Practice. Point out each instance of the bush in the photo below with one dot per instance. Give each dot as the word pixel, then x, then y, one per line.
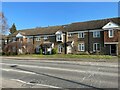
pixel 13 53
pixel 40 51
pixel 98 53
pixel 83 53
pixel 54 51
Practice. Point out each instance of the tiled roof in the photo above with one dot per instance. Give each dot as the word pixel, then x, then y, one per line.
pixel 91 25
pixel 3 37
pixel 88 25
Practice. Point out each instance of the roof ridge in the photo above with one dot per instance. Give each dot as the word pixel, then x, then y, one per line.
pixel 96 20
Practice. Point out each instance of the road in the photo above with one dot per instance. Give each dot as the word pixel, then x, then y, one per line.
pixel 59 74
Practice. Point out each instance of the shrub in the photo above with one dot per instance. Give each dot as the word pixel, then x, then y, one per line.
pixel 40 51
pixel 13 53
pixel 54 51
pixel 83 53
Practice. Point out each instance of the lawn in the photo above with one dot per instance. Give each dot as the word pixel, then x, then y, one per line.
pixel 70 56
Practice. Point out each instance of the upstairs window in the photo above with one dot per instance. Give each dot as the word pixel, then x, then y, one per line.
pixel 111 33
pixel 70 35
pixel 96 34
pixel 37 38
pixel 45 37
pixel 81 35
pixel 59 36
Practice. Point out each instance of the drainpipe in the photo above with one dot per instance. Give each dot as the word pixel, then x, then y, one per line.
pixel 88 41
pixel 65 42
pixel 7 40
pixel 33 44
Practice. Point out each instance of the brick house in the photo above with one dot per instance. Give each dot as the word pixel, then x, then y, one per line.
pixel 101 36
pixel 3 42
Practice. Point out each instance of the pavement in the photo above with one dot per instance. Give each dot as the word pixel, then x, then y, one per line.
pixel 25 73
pixel 115 59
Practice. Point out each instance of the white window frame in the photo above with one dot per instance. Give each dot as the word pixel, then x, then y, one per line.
pixel 81 35
pixel 59 37
pixel 28 39
pixel 5 41
pixel 13 39
pixel 60 48
pixel 81 47
pixel 38 38
pixel 96 47
pixel 96 34
pixel 69 34
pixel 109 33
pixel 45 37
pixel 14 49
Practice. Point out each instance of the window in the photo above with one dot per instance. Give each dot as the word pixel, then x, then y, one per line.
pixel 81 35
pixel 96 34
pixel 37 49
pixel 59 37
pixel 111 33
pixel 14 49
pixel 81 47
pixel 28 39
pixel 45 38
pixel 14 39
pixel 38 39
pixel 60 49
pixel 70 35
pixel 5 41
pixel 96 47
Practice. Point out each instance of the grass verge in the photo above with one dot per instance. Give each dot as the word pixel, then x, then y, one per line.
pixel 70 56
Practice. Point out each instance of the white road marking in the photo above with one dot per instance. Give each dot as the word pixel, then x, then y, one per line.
pixel 107 64
pixel 8 70
pixel 50 86
pixel 70 70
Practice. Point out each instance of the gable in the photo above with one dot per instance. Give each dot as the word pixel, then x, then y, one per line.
pixel 58 32
pixel 110 25
pixel 19 35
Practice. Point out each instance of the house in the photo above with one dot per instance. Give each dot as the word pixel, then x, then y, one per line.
pixel 3 42
pixel 96 36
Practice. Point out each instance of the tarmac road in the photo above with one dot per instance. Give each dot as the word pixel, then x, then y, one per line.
pixel 58 74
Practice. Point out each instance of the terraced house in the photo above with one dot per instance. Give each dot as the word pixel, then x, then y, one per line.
pixel 101 36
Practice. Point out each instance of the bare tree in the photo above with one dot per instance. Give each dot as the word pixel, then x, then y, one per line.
pixel 3 23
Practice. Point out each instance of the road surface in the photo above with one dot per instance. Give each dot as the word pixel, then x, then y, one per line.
pixel 58 74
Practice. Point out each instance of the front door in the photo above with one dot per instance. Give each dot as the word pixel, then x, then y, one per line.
pixel 44 51
pixel 113 49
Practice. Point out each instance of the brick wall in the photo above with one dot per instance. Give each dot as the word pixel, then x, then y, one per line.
pixel 114 39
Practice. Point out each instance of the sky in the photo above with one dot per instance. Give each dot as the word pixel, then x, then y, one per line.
pixel 42 14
